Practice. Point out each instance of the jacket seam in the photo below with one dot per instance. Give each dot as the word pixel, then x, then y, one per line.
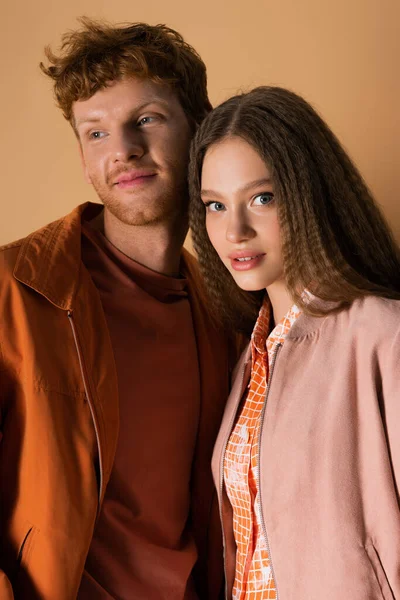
pixel 46 292
pixel 36 385
pixel 11 245
pixel 47 250
pixel 303 336
pixel 71 394
pixel 50 246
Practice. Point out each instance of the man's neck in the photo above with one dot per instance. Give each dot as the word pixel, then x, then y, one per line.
pixel 156 246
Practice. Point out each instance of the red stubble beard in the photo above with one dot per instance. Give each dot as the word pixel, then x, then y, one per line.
pixel 160 200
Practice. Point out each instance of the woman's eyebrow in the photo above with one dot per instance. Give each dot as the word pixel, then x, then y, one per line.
pixel 248 186
pixel 256 183
pixel 210 193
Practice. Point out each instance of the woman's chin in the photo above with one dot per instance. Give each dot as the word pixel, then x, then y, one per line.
pixel 249 284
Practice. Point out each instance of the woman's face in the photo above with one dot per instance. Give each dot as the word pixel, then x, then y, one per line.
pixel 241 215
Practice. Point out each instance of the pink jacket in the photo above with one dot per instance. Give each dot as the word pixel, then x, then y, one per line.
pixel 329 456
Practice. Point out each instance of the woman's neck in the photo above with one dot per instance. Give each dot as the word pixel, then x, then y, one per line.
pixel 280 299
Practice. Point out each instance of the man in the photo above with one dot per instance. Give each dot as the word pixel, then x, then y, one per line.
pixel 112 376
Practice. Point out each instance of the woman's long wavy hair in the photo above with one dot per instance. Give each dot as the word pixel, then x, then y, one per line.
pixel 336 243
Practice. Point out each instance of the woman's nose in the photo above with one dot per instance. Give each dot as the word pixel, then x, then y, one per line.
pixel 239 229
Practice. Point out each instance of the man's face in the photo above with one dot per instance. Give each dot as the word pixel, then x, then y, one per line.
pixel 134 138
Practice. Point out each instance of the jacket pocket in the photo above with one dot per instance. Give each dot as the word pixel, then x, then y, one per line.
pixel 379 571
pixel 24 551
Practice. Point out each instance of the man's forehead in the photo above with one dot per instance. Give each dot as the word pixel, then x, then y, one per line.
pixel 126 95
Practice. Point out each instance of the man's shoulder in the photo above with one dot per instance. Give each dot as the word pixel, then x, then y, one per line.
pixel 8 257
pixel 46 245
pixel 9 253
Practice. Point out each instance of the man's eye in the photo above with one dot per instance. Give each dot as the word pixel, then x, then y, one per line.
pixel 96 135
pixel 263 199
pixel 214 206
pixel 145 121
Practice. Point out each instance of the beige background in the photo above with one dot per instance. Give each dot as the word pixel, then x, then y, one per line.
pixel 342 55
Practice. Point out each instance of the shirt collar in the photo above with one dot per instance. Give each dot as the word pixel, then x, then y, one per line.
pixel 262 338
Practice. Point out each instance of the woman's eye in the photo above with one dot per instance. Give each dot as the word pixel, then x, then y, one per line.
pixel 214 206
pixel 263 199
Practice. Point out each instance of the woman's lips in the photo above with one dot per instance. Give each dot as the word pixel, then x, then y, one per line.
pixel 246 262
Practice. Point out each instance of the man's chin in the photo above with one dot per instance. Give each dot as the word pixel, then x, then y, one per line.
pixel 130 213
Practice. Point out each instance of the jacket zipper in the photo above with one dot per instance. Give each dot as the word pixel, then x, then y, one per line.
pixel 90 403
pixel 258 471
pixel 222 482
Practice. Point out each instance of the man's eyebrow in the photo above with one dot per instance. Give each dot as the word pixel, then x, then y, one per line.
pixel 93 119
pixel 245 188
pixel 97 115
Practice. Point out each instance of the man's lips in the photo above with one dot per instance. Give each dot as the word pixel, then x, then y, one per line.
pixel 244 260
pixel 132 178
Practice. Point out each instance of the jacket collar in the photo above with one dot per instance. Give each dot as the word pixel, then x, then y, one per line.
pixel 308 325
pixel 49 260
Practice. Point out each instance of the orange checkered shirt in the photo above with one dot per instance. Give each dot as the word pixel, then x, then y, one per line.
pixel 254 577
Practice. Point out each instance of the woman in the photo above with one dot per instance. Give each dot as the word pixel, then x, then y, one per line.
pixel 307 462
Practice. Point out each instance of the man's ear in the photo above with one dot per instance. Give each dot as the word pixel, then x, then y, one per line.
pixel 83 162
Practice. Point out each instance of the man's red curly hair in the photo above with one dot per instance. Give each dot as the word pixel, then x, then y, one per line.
pixel 99 53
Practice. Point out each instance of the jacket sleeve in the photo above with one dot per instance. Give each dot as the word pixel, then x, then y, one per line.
pixel 6 592
pixel 391 405
pixel 390 411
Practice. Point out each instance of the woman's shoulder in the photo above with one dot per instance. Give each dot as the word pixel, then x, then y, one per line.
pixel 366 316
pixel 376 311
pixel 368 320
pixel 371 323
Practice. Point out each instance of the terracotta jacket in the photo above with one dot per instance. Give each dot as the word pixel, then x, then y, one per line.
pixel 59 417
pixel 329 456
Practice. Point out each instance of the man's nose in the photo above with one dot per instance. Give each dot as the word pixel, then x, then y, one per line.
pixel 127 145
